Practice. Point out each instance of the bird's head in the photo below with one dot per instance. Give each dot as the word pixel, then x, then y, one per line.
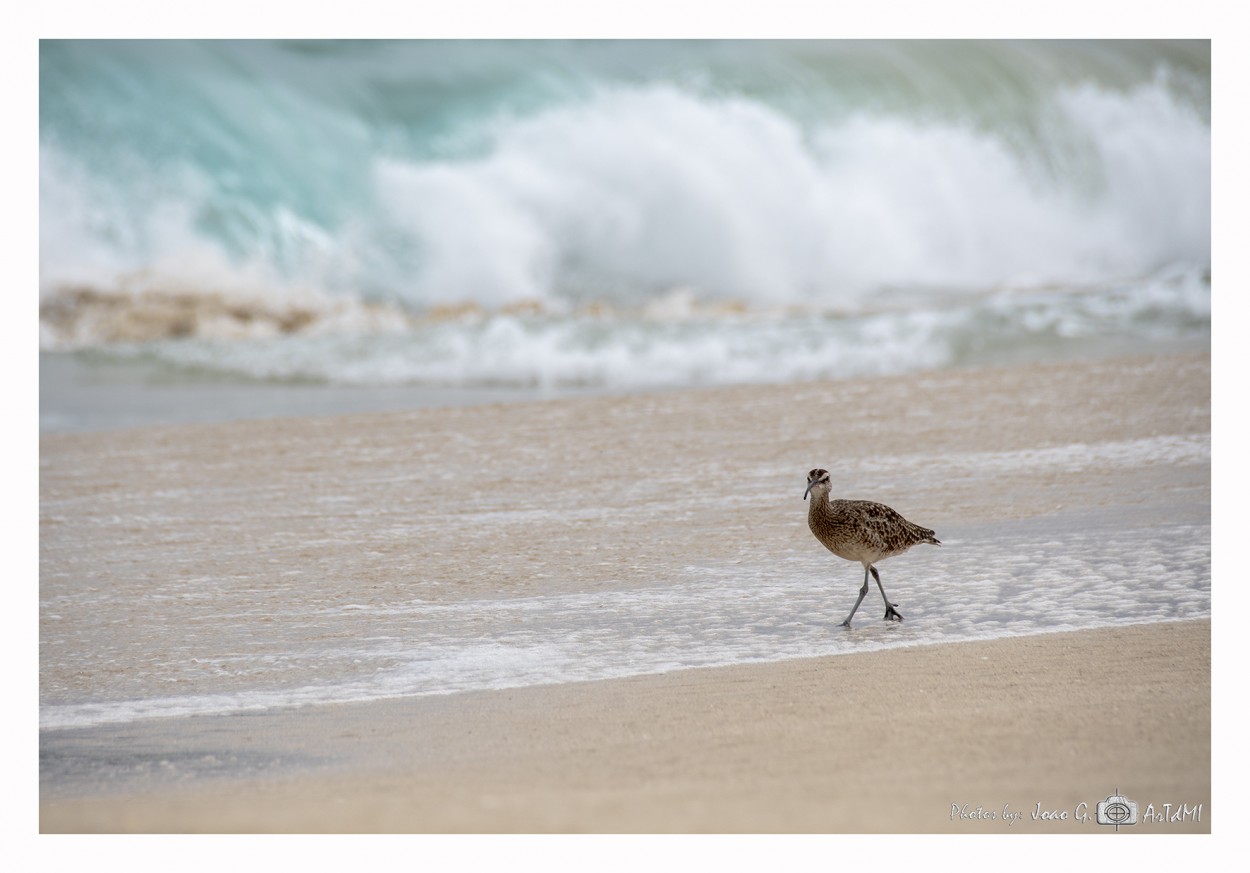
pixel 816 481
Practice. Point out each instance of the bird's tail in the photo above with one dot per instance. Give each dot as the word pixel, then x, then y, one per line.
pixel 924 535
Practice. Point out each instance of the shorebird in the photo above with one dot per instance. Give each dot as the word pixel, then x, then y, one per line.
pixel 860 530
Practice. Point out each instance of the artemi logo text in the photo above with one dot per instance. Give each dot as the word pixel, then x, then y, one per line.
pixel 1115 811
pixel 1172 813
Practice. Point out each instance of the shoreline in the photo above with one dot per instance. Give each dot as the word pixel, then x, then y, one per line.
pixel 108 395
pixel 798 746
pixel 462 548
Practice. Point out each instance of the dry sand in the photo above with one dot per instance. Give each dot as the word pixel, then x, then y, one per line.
pixel 161 543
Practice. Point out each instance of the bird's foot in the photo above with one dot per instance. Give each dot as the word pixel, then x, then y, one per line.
pixel 891 614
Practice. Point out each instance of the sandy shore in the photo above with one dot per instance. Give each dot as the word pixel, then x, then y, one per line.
pixel 931 739
pixel 217 559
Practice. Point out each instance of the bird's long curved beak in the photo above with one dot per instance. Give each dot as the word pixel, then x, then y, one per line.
pixel 808 489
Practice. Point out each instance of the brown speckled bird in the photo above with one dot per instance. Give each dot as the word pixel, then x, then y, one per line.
pixel 860 530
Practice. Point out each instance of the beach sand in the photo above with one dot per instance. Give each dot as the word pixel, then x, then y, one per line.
pixel 161 546
pixel 928 739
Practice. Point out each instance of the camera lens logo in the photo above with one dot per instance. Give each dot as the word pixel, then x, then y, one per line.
pixel 1116 810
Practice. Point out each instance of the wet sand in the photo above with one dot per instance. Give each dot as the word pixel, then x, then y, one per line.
pixel 161 544
pixel 85 393
pixel 956 738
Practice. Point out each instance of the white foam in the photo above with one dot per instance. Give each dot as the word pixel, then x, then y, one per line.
pixel 630 192
pixel 688 345
pixel 638 190
pixel 998 580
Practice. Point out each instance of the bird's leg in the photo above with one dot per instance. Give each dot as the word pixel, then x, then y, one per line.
pixel 890 613
pixel 862 592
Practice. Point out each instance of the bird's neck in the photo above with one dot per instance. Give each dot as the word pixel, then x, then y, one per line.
pixel 820 501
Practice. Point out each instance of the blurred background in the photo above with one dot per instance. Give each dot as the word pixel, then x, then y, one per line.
pixel 245 228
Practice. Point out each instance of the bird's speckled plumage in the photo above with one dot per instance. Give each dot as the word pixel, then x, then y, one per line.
pixel 861 530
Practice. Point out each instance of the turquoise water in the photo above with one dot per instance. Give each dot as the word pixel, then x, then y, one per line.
pixel 619 214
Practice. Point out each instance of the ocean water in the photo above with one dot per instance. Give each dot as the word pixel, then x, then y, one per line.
pixel 618 215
